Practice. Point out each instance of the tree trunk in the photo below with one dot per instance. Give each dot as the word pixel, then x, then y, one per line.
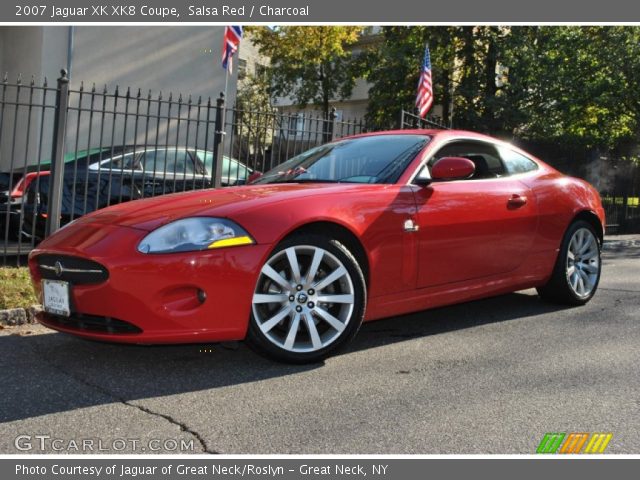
pixel 490 88
pixel 446 97
pixel 327 132
pixel 465 116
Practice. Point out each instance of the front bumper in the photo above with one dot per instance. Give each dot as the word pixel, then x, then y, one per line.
pixel 156 294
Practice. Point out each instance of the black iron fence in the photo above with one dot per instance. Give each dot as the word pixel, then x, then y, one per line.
pixel 66 151
pixel 27 117
pixel 410 120
pixel 619 185
pixel 265 139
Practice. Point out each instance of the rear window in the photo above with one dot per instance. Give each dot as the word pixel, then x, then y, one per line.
pixel 515 162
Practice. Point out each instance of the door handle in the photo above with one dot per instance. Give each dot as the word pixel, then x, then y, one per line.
pixel 516 201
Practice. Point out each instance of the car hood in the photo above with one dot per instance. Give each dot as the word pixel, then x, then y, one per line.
pixel 151 213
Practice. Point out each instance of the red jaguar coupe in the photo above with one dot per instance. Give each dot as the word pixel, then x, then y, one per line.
pixel 359 229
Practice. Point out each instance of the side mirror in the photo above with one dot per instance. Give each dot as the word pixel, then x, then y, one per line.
pixel 254 176
pixel 452 168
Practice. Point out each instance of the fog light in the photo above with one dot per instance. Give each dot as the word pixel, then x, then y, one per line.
pixel 202 296
pixel 181 298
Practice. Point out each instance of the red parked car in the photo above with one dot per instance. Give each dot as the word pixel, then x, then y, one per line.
pixel 359 229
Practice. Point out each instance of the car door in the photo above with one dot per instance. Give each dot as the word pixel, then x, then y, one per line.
pixel 473 228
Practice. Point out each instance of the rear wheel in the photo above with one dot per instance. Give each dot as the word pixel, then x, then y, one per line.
pixel 576 274
pixel 309 300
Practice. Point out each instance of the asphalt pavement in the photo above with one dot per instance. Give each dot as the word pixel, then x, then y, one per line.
pixel 491 376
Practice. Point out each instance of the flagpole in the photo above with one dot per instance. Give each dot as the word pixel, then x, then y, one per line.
pixel 230 45
pixel 224 105
pixel 226 81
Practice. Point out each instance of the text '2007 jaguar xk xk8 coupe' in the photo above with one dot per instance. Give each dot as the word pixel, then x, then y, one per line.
pixel 359 229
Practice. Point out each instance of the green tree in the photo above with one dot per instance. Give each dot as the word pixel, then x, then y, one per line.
pixel 253 94
pixel 393 70
pixel 574 84
pixel 312 65
pixel 570 85
pixel 477 98
pixel 253 128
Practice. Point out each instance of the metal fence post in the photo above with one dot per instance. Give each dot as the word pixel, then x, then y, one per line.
pixel 331 124
pixel 218 141
pixel 54 206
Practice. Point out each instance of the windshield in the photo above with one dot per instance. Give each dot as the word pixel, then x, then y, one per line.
pixel 374 159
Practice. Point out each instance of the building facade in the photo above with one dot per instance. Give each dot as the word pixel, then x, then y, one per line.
pixel 183 60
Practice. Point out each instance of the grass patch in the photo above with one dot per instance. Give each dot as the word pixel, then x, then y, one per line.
pixel 15 288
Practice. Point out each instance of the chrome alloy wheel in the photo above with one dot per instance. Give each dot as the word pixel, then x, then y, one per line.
pixel 583 262
pixel 304 299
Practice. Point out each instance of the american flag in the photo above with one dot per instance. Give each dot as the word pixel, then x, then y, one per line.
pixel 232 37
pixel 425 87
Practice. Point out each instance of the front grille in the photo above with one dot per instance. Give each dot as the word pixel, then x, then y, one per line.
pixel 92 323
pixel 75 270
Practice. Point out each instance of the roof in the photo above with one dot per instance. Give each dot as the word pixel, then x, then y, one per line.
pixel 430 132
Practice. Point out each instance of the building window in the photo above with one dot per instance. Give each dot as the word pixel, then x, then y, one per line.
pixel 296 125
pixel 242 68
pixel 261 72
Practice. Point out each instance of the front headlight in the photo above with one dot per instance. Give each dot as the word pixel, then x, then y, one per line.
pixel 192 234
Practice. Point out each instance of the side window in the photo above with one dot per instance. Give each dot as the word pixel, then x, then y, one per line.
pixel 235 168
pixel 123 162
pixel 514 162
pixel 154 161
pixel 198 162
pixel 171 161
pixel 484 156
pixel 180 162
pixel 296 125
pixel 5 179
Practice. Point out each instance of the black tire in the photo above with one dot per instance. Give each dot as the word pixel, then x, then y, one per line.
pixel 559 289
pixel 352 283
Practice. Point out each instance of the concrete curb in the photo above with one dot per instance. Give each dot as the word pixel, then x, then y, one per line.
pixel 19 316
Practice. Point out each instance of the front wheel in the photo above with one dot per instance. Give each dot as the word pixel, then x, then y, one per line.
pixel 576 274
pixel 309 300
